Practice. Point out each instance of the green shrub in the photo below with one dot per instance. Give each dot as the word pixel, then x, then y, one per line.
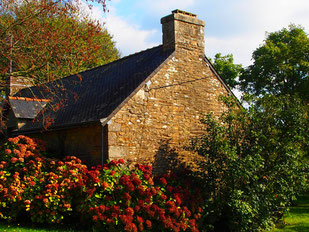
pixel 254 162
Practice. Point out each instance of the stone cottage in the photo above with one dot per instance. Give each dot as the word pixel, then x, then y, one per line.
pixel 136 108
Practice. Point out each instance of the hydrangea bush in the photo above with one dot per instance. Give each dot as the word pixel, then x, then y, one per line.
pixel 37 189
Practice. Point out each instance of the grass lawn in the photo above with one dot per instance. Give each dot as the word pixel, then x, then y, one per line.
pixel 297 219
pixel 18 228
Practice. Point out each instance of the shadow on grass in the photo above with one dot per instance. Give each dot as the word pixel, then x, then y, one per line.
pixel 297 220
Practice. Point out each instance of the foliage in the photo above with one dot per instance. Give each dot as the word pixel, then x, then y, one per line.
pixel 50 39
pixel 42 190
pixel 254 162
pixel 281 64
pixel 226 68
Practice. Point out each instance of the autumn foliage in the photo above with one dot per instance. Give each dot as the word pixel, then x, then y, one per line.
pixel 42 190
pixel 44 40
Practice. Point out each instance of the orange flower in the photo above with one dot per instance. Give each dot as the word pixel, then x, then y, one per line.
pixel 14 160
pixel 27 202
pixel 148 224
pixel 105 185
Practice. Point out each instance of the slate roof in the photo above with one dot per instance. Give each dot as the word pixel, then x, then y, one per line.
pixel 96 93
pixel 26 108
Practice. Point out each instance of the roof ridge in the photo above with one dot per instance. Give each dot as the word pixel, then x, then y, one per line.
pixel 28 99
pixel 92 69
pixel 107 64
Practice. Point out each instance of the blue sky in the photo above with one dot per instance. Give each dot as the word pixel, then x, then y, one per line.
pixel 232 26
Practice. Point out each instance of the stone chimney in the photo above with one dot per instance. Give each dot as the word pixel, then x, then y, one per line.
pixel 18 83
pixel 183 31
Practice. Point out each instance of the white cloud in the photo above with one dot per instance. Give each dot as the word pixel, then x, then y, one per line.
pixel 272 15
pixel 255 17
pixel 129 37
pixel 165 6
pixel 240 46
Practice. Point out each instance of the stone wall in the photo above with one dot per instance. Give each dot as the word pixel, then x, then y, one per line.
pixel 155 125
pixel 18 83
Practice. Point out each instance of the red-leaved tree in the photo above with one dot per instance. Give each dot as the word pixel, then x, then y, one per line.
pixel 43 40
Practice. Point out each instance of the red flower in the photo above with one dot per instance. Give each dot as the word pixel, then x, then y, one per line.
pixel 105 185
pixel 146 176
pixel 130 227
pixel 139 219
pixel 95 218
pixel 113 163
pixel 140 189
pixel 178 200
pixel 140 202
pixel 67 206
pixel 121 161
pixel 137 181
pixel 102 208
pixel 150 181
pixel 187 212
pixel 137 208
pixel 60 163
pixel 124 179
pixel 8 151
pixel 126 196
pixel 14 160
pixel 153 191
pixel 140 227
pixel 110 221
pixel 169 188
pixel 129 211
pixel 130 187
pixel 163 197
pixel 27 202
pixel 148 224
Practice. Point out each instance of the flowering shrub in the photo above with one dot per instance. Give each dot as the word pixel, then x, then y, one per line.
pixel 33 186
pixel 44 190
pixel 133 201
pixel 20 165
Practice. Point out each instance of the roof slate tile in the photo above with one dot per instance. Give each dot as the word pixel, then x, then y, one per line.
pixel 94 94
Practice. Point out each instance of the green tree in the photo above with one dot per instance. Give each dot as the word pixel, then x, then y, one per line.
pixel 281 64
pixel 226 68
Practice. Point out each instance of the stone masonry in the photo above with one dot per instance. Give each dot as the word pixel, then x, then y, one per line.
pixel 18 83
pixel 162 117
